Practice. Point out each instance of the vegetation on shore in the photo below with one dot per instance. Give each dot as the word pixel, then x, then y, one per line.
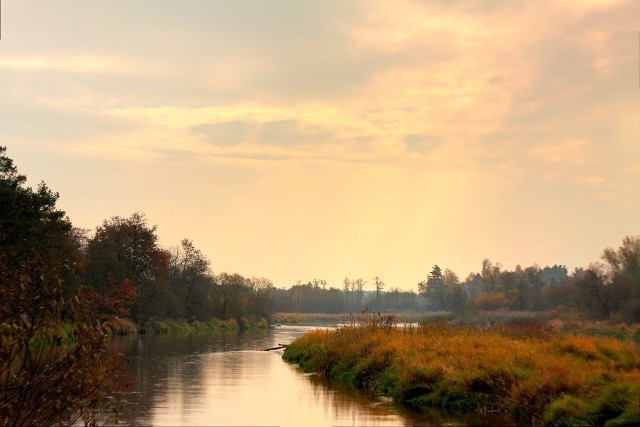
pixel 332 319
pixel 52 364
pixel 529 370
pixel 63 294
pixel 127 327
pixel 309 319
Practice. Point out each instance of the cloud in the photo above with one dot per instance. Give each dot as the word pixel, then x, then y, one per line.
pixel 420 143
pixel 561 152
pixel 84 64
pixel 289 132
pixel 306 132
pixel 431 120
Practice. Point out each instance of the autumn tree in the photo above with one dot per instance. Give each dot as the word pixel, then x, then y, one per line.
pixel 45 377
pixel 127 248
pixel 117 301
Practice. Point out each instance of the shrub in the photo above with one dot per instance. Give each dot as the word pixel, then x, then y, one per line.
pixel 491 301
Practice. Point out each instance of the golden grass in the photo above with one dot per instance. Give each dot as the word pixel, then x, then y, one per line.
pixel 527 369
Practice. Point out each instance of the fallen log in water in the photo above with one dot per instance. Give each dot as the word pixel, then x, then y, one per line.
pixel 279 347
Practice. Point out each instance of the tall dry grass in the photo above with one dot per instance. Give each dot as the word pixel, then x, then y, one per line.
pixel 526 369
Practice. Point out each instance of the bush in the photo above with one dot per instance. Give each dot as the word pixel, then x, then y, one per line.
pixel 491 301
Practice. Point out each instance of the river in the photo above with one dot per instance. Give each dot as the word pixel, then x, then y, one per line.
pixel 224 379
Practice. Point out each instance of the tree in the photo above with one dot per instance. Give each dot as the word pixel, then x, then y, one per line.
pixel 347 291
pixel 233 290
pixel 434 286
pixel 127 248
pixel 29 220
pixel 45 377
pixel 454 295
pixel 358 285
pixel 624 271
pixel 261 298
pixel 188 270
pixel 379 284
pixel 490 275
pixel 593 292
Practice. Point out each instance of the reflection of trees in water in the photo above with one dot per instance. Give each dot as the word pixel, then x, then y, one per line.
pixel 163 367
pixel 170 367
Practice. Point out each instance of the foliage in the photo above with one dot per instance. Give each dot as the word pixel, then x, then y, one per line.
pixel 125 248
pixel 317 296
pixel 607 290
pixel 115 302
pixel 491 301
pixel 130 275
pixel 526 369
pixel 52 367
pixel 434 286
pixel 29 220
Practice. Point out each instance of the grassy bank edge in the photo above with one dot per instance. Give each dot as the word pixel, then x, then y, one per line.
pixel 173 326
pixel 363 356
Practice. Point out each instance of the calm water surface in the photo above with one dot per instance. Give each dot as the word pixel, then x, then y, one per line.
pixel 224 380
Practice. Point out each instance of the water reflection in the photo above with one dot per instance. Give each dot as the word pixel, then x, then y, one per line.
pixel 222 380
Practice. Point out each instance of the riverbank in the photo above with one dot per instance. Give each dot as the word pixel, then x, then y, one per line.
pixel 127 327
pixel 531 371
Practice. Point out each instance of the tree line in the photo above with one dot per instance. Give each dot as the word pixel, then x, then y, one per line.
pixel 317 297
pixel 609 289
pixel 126 273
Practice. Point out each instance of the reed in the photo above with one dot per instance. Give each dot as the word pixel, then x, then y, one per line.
pixel 529 370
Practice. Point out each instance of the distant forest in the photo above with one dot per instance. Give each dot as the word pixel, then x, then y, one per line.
pixel 122 272
pixel 609 289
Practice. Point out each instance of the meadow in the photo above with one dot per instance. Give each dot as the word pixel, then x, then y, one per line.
pixel 536 372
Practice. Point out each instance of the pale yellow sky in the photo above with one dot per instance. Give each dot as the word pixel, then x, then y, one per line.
pixel 324 139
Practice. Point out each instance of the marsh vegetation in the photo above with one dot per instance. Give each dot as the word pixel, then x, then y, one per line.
pixel 532 371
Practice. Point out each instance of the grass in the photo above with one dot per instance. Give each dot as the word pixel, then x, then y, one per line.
pixel 330 319
pixel 196 326
pixel 313 319
pixel 531 371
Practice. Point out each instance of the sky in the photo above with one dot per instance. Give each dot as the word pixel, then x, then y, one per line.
pixel 332 139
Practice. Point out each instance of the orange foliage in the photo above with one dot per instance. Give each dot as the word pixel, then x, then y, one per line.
pixel 115 302
pixel 491 301
pixel 520 369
